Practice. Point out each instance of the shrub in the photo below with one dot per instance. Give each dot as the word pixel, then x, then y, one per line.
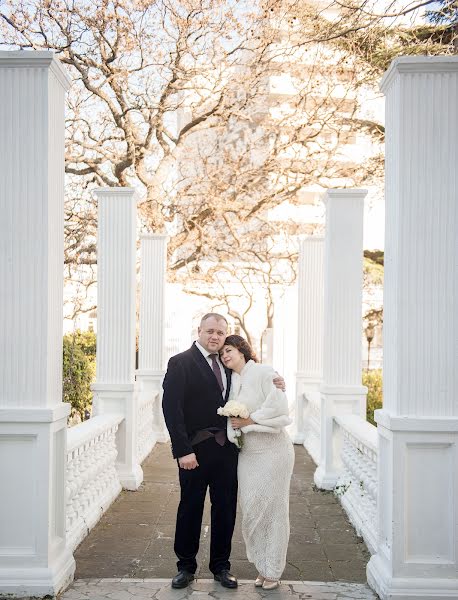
pixel 78 370
pixel 373 380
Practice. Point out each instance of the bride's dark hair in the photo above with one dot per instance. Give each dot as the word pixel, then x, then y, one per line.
pixel 237 341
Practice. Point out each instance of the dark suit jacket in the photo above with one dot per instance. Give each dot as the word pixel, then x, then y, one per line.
pixel 191 398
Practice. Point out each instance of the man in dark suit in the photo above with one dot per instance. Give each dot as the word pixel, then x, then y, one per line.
pixel 195 385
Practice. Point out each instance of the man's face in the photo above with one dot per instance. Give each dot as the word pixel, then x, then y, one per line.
pixel 212 333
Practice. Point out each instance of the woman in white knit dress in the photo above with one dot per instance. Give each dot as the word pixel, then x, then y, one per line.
pixel 265 461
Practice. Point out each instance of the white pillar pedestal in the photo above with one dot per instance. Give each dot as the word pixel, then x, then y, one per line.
pixel 116 290
pixel 34 558
pixel 341 390
pixel 417 555
pixel 152 324
pixel 309 325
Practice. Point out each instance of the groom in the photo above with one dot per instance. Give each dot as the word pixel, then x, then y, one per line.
pixel 195 385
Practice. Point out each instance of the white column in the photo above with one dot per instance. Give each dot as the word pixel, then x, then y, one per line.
pixel 341 389
pixel 417 554
pixel 116 298
pixel 34 558
pixel 152 324
pixel 309 325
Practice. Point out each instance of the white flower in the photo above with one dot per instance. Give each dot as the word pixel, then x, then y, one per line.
pixel 234 409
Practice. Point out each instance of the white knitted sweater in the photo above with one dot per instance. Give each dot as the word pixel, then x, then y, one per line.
pixel 268 406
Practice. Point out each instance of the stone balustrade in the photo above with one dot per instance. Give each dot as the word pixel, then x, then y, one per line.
pixel 146 426
pixel 92 482
pixel 357 484
pixel 312 424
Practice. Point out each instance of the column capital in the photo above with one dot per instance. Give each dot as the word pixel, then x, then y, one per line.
pixel 154 236
pixel 344 193
pixel 417 65
pixel 311 238
pixel 121 192
pixel 38 59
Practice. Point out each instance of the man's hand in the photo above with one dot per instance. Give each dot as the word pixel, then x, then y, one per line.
pixel 188 462
pixel 238 423
pixel 279 382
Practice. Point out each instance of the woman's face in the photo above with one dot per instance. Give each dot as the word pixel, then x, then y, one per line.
pixel 232 358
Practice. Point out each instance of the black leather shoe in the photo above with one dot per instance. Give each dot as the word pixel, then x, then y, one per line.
pixel 226 579
pixel 182 579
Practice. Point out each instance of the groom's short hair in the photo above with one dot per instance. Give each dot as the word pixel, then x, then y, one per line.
pixel 217 316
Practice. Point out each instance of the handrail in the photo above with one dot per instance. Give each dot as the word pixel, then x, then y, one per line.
pixel 357 484
pixel 146 431
pixel 312 424
pixel 92 482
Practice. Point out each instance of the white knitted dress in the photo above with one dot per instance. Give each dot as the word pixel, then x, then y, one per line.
pixel 264 470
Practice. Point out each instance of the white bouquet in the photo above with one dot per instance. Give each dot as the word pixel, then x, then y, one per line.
pixel 235 409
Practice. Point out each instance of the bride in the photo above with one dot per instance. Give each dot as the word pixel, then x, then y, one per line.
pixel 265 461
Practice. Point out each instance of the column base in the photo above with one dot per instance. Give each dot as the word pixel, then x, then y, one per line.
pixel 305 383
pixel 150 384
pixel 417 549
pixel 336 400
pixel 325 481
pixel 130 479
pixel 117 398
pixel 408 588
pixel 35 559
pixel 38 582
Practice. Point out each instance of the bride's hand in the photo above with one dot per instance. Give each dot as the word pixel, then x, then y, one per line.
pixel 238 423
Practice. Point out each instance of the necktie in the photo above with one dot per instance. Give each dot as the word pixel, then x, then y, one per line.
pixel 217 370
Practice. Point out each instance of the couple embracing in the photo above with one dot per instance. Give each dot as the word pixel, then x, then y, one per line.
pixel 218 368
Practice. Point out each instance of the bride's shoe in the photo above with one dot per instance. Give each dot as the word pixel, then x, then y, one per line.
pixel 270 584
pixel 259 581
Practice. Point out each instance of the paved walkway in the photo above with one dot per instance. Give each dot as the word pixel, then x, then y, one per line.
pixel 134 540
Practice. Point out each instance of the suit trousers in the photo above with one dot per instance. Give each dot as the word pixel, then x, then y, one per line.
pixel 217 471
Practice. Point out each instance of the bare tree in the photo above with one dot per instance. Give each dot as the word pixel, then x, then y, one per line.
pixel 246 280
pixel 133 64
pixel 216 114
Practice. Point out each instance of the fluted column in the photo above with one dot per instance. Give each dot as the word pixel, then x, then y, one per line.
pixel 34 558
pixel 116 298
pixel 309 325
pixel 341 389
pixel 152 324
pixel 417 554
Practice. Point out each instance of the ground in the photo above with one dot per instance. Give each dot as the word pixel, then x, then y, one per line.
pixel 129 554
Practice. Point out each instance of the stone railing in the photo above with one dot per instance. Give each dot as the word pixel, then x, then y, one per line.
pixel 92 480
pixel 357 484
pixel 312 424
pixel 146 427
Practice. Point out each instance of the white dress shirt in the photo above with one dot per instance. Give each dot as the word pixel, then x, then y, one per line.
pixel 206 355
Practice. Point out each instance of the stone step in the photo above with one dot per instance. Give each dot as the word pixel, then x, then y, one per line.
pixel 200 589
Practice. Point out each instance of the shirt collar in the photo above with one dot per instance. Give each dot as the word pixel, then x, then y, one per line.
pixel 205 352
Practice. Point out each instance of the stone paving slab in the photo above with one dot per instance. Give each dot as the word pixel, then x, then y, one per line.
pixel 134 538
pixel 201 589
